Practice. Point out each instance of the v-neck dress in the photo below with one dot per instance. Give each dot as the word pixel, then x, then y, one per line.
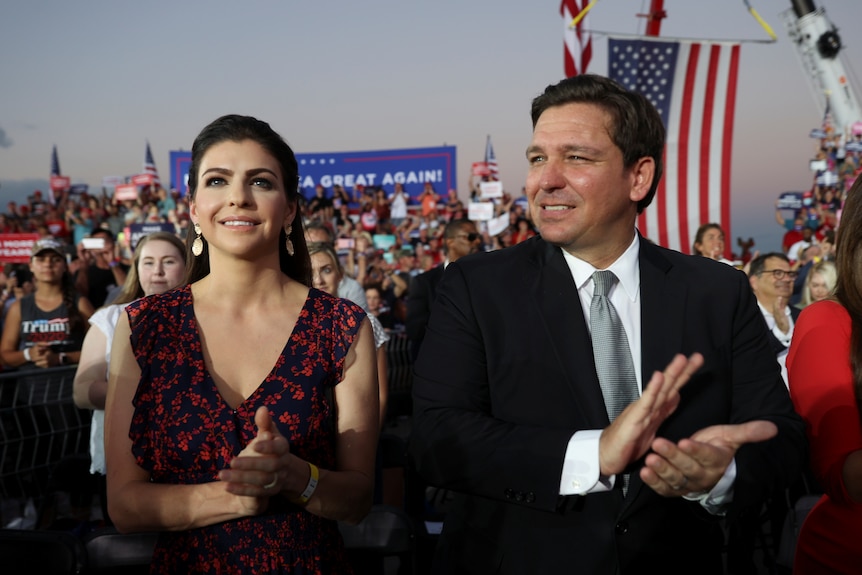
pixel 183 432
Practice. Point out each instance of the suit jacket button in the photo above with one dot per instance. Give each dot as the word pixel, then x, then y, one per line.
pixel 509 494
pixel 531 497
pixel 622 527
pixel 519 496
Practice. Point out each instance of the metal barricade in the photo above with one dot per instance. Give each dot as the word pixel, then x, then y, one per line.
pixel 39 426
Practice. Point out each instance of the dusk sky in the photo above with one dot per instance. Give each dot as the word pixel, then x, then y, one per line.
pixel 100 78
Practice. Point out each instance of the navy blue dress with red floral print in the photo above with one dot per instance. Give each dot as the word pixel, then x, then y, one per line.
pixel 183 432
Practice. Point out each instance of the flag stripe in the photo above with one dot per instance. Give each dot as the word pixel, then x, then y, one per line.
pixel 577 42
pixel 727 146
pixel 150 167
pixel 693 85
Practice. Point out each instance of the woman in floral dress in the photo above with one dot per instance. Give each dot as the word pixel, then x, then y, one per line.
pixel 242 409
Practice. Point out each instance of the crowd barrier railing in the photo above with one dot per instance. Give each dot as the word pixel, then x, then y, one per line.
pixel 39 426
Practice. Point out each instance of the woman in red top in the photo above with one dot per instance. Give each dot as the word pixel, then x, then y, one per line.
pixel 825 377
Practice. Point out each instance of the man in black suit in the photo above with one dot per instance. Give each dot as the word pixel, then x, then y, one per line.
pixel 461 238
pixel 508 408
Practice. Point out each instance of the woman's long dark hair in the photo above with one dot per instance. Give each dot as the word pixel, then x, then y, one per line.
pixel 848 290
pixel 236 128
pixel 77 323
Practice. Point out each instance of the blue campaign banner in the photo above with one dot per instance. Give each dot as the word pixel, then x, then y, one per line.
pixel 180 162
pixel 137 231
pixel 411 167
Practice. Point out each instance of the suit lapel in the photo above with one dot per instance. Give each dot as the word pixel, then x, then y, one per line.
pixel 662 314
pixel 662 311
pixel 552 290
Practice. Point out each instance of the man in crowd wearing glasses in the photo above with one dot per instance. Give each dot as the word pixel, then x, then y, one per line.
pixel 772 282
pixel 461 238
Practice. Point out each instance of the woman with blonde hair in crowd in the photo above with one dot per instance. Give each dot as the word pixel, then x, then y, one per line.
pixel 158 265
pixel 326 273
pixel 819 282
pixel 824 369
pixel 241 420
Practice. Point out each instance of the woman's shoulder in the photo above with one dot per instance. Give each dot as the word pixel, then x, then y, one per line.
pixel 159 303
pixel 826 313
pixel 107 316
pixel 337 309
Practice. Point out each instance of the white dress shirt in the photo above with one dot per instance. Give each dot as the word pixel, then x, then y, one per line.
pixel 581 468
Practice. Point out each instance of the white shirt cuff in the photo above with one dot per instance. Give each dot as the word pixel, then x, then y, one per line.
pixel 717 500
pixel 581 469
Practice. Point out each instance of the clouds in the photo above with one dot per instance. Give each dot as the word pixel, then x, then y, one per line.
pixel 5 141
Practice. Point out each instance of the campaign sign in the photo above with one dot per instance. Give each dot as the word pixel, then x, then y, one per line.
pixel 143 179
pixel 137 231
pixel 790 201
pixel 16 248
pixel 411 167
pixel 60 183
pixel 112 181
pixel 491 190
pixel 480 211
pixel 481 169
pixel 181 161
pixel 126 192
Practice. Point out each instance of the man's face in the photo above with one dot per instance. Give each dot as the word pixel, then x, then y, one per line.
pixel 461 245
pixel 767 286
pixel 580 195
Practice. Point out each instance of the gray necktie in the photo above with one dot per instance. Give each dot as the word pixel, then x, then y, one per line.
pixel 611 348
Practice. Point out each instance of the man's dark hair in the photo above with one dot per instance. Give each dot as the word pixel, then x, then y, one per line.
pixel 455 226
pixel 636 127
pixel 758 264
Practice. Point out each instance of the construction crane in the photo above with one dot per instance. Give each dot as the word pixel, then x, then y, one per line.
pixel 819 48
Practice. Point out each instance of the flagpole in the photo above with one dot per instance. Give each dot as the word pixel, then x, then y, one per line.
pixel 654 17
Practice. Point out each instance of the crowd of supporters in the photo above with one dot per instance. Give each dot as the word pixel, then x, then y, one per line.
pixel 378 235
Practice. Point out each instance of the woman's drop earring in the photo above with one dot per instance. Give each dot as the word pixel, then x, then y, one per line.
pixel 198 244
pixel 289 243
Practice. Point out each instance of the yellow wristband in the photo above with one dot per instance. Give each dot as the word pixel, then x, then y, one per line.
pixel 312 485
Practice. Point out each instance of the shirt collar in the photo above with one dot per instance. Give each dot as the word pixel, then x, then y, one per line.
pixel 625 268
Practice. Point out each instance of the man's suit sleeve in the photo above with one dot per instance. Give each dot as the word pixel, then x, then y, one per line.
pixel 457 442
pixel 418 308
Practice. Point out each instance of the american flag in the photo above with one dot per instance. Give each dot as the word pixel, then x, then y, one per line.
pixel 150 167
pixel 55 171
pixel 55 163
pixel 577 43
pixel 491 161
pixel 693 86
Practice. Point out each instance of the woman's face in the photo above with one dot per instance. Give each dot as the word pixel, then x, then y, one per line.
pixel 712 243
pixel 160 268
pixel 240 200
pixel 324 273
pixel 48 266
pixel 818 287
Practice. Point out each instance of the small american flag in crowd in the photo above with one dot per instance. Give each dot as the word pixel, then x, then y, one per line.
pixel 491 161
pixel 693 86
pixel 150 167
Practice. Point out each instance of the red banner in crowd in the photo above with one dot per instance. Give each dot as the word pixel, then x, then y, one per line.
pixel 143 179
pixel 16 248
pixel 126 192
pixel 60 183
